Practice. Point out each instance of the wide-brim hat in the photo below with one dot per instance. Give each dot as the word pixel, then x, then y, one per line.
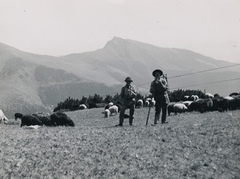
pixel 128 79
pixel 157 70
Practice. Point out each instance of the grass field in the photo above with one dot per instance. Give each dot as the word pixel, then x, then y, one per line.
pixel 191 145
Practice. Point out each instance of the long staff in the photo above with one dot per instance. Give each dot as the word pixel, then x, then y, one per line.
pixel 150 106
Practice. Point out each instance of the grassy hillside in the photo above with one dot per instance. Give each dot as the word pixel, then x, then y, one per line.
pixel 191 145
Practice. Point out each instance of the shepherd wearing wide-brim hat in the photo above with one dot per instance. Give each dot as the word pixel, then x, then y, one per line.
pixel 159 90
pixel 157 71
pixel 128 95
pixel 128 79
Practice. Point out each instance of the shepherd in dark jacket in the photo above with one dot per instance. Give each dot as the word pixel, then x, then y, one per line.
pixel 159 90
pixel 128 95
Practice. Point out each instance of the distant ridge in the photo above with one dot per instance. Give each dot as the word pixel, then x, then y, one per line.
pixel 31 82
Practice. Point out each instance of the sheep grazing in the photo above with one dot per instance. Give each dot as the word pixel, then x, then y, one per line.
pixel 170 108
pixel 179 107
pixel 193 98
pixel 186 98
pixel 139 103
pixel 27 120
pixel 147 103
pixel 44 118
pixel 113 110
pixel 3 117
pixel 228 98
pixel 196 105
pixel 234 103
pixel 82 106
pixel 187 103
pixel 209 95
pixel 106 113
pixel 152 102
pixel 61 119
pixel 108 105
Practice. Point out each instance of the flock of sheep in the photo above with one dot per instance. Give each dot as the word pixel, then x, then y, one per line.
pixel 39 119
pixel 190 103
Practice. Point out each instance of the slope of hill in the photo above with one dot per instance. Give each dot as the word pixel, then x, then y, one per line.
pixel 31 82
pixel 191 145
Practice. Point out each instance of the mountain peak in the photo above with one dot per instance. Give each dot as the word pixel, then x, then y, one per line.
pixel 116 41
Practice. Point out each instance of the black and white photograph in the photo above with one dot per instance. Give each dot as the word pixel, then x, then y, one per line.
pixel 120 89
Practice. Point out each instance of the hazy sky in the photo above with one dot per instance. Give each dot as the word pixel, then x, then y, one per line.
pixel 61 27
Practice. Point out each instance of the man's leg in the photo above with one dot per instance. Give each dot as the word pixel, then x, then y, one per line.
pixel 164 113
pixel 131 113
pixel 121 115
pixel 157 112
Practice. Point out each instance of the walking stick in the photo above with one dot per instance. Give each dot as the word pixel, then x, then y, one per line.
pixel 150 106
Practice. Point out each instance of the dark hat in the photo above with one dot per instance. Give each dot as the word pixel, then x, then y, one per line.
pixel 128 79
pixel 157 70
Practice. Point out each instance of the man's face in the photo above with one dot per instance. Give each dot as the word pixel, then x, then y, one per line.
pixel 128 82
pixel 157 74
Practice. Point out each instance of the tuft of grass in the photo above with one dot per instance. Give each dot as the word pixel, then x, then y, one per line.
pixel 191 145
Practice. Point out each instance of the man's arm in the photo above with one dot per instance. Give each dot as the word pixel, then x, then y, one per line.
pixel 133 92
pixel 122 93
pixel 164 84
pixel 152 89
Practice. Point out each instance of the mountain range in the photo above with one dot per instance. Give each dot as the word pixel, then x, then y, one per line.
pixel 32 83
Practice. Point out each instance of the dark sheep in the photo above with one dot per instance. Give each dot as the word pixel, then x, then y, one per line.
pixel 27 120
pixel 45 119
pixel 197 105
pixel 207 105
pixel 18 116
pixel 234 94
pixel 220 104
pixel 235 103
pixel 61 119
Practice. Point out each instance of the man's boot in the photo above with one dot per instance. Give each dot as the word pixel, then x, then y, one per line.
pixel 156 119
pixel 130 120
pixel 121 119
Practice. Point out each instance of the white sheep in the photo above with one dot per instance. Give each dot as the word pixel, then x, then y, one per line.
pixel 3 117
pixel 228 98
pixel 113 110
pixel 153 102
pixel 109 105
pixel 186 97
pixel 187 103
pixel 194 97
pixel 82 106
pixel 209 95
pixel 179 107
pixel 147 103
pixel 139 103
pixel 148 99
pixel 106 113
